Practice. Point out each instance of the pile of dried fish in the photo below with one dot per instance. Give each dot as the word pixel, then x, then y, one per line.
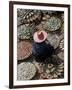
pixel 25 31
pixel 52 24
pixel 24 50
pixel 25 71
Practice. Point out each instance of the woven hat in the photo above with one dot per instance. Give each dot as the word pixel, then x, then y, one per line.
pixel 40 36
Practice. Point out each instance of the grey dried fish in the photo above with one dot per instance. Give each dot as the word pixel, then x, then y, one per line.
pixel 61 45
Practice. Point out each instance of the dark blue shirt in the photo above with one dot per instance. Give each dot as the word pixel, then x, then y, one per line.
pixel 42 49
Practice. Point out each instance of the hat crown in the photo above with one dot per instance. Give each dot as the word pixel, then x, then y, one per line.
pixel 40 35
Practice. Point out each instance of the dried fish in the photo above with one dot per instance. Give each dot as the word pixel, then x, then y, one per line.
pixel 61 45
pixel 49 76
pixel 47 71
pixel 53 69
pixel 50 66
pixel 39 66
pixel 43 76
pixel 55 75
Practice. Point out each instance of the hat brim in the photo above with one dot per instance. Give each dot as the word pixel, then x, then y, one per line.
pixel 36 39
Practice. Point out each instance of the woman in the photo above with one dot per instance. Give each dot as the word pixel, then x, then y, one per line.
pixel 41 50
